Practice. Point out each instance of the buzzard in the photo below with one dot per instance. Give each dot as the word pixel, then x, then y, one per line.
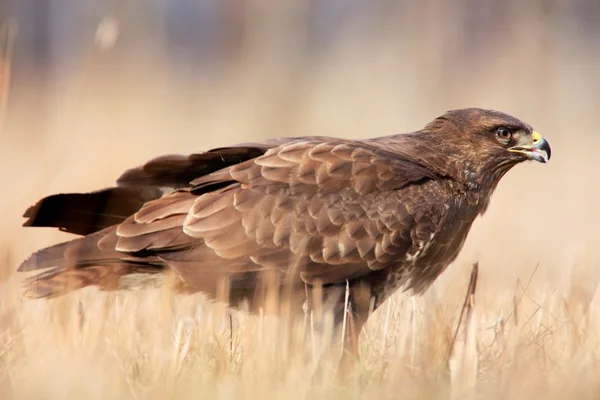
pixel 300 219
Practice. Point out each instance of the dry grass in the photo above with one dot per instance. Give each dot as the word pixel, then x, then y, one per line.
pixel 151 345
pixel 535 325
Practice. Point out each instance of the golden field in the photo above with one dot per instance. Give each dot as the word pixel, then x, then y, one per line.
pixel 534 331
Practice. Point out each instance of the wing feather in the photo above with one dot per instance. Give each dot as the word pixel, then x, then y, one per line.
pixel 326 210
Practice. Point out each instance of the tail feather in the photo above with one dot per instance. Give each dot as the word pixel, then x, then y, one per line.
pixel 58 281
pixel 85 213
pixel 83 262
pixel 69 254
pixel 50 257
pixel 109 276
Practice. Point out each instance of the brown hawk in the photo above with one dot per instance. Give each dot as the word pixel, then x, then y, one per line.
pixel 290 217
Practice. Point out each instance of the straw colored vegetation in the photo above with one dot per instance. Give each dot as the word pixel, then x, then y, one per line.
pixel 531 328
pixel 152 345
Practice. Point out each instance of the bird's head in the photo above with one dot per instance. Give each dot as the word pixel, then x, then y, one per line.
pixel 485 144
pixel 499 134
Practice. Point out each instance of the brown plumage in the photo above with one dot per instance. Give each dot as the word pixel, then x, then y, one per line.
pixel 293 214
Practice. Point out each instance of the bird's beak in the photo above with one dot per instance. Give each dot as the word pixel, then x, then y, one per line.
pixel 538 149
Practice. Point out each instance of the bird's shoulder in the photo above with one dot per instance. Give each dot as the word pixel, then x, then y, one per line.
pixel 323 165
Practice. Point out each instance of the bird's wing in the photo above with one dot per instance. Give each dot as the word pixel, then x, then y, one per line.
pixel 321 211
pixel 306 211
pixel 86 213
pixel 176 171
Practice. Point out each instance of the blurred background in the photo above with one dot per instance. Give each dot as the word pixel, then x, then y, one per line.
pixel 90 88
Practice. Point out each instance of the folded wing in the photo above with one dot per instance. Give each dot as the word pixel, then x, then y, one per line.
pixel 301 211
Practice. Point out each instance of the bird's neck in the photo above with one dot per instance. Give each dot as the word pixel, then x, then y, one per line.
pixel 449 159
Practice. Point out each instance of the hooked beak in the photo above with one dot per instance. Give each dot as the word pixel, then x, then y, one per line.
pixel 539 150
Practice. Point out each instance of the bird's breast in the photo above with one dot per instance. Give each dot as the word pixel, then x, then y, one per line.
pixel 429 255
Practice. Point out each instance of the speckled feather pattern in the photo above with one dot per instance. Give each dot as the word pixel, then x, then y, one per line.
pixel 390 213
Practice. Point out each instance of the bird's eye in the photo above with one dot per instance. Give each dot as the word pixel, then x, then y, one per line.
pixel 503 133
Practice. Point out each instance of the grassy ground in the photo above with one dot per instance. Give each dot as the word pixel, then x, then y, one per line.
pixel 534 329
pixel 151 345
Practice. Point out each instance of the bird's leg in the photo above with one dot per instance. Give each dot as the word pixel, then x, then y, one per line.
pixel 350 331
pixel 351 306
pixel 323 314
pixel 354 316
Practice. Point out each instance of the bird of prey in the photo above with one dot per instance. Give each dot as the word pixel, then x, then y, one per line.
pixel 351 220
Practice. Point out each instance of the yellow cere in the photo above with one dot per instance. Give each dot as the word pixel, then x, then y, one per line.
pixel 536 137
